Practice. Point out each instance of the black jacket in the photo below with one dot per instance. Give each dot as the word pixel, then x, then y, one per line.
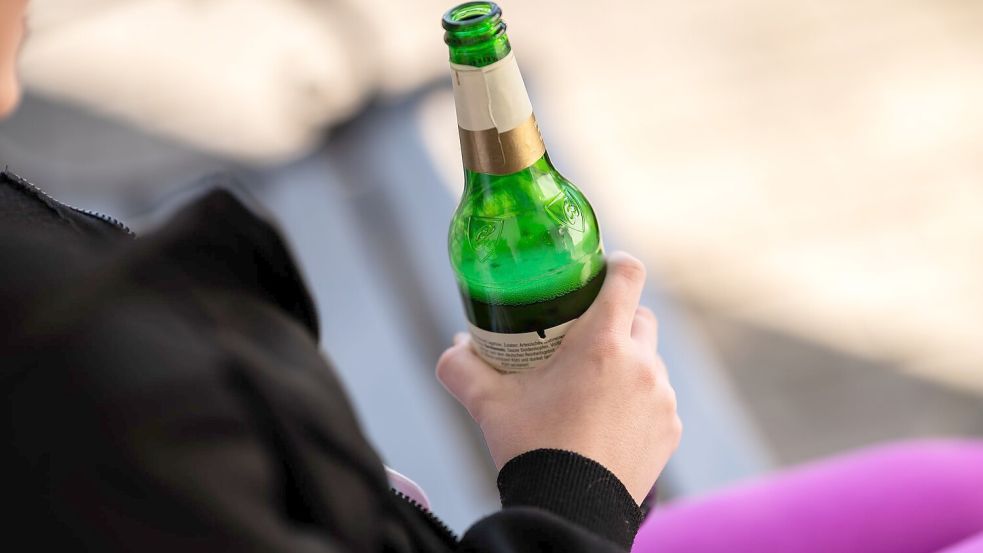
pixel 166 393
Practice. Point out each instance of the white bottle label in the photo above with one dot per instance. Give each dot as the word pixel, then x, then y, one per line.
pixel 490 97
pixel 517 352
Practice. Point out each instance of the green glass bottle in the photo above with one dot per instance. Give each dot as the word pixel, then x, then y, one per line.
pixel 524 242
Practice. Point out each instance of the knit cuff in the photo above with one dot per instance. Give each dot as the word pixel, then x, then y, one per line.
pixel 574 487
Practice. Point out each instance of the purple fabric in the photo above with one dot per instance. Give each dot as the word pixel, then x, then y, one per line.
pixel 971 545
pixel 918 497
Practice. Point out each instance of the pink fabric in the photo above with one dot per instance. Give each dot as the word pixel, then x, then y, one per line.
pixel 919 497
pixel 972 545
pixel 401 483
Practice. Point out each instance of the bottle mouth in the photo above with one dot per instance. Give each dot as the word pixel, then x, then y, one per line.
pixel 475 33
pixel 471 15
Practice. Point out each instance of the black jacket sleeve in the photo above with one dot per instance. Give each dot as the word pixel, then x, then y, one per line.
pixel 168 394
pixel 543 492
pixel 573 487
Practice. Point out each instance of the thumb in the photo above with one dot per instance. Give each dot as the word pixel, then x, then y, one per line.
pixel 618 299
pixel 465 375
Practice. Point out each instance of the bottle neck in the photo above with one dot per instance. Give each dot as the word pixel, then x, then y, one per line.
pixel 498 131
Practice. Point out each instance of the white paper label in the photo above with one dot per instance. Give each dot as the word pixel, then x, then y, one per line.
pixel 517 352
pixel 490 97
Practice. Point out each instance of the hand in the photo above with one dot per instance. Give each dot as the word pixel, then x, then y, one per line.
pixel 604 394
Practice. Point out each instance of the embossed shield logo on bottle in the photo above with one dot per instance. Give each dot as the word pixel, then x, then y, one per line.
pixel 483 234
pixel 566 211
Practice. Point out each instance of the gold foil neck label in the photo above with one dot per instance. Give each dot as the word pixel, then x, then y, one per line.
pixel 495 153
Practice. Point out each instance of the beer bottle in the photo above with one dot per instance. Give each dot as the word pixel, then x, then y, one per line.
pixel 524 243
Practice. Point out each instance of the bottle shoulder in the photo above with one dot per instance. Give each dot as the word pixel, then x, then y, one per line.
pixel 526 234
pixel 532 189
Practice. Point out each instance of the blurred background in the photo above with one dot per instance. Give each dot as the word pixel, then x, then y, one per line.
pixel 803 179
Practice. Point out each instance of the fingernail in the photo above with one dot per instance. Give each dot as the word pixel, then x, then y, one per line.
pixel 460 337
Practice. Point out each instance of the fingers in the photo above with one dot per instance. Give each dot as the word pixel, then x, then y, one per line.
pixel 465 375
pixel 645 329
pixel 618 299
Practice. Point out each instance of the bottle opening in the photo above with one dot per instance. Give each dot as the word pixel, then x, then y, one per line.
pixel 475 33
pixel 470 14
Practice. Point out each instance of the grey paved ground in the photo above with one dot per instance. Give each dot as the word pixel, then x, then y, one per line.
pixel 810 400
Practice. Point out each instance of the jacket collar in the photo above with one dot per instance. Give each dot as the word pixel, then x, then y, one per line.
pixel 217 241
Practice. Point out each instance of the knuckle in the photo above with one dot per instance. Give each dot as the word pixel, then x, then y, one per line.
pixel 677 430
pixel 631 269
pixel 646 313
pixel 649 373
pixel 669 400
pixel 648 378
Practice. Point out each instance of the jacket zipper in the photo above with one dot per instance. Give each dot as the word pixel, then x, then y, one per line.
pixel 445 532
pixel 108 219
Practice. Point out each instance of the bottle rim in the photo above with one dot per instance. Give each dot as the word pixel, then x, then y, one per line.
pixel 470 14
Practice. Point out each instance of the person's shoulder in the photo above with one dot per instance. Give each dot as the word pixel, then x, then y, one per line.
pixel 26 207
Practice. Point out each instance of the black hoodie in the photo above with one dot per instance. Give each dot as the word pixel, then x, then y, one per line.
pixel 166 393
